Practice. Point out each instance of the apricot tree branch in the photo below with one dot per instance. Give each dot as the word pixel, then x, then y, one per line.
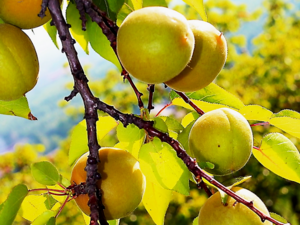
pixel 91 116
pixel 181 153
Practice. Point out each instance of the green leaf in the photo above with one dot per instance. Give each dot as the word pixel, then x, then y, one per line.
pixel 160 124
pixel 1 21
pixel 44 218
pixel 147 3
pixel 17 107
pixel 33 206
pixel 198 6
pixel 79 140
pixel 111 7
pixel 113 222
pixel 123 13
pixel 49 201
pixel 52 32
pixel 183 138
pixel 11 206
pixel 131 139
pixel 195 221
pixel 51 221
pixel 278 154
pixel 45 173
pixel 278 218
pixel 288 121
pixel 73 18
pixel 209 98
pixel 256 112
pixel 159 162
pixel 172 124
pixel 101 44
pixel 156 201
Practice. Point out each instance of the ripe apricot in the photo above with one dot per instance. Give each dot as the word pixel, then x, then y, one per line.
pixel 23 14
pixel 222 137
pixel 19 66
pixel 214 212
pixel 154 44
pixel 207 61
pixel 122 182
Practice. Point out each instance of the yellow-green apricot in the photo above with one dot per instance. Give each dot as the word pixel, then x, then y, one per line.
pixel 19 66
pixel 23 14
pixel 222 137
pixel 207 61
pixel 154 44
pixel 122 182
pixel 214 212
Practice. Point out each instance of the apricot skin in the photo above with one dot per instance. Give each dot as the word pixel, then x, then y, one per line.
pixel 213 212
pixel 222 137
pixel 207 61
pixel 122 182
pixel 154 44
pixel 19 66
pixel 23 14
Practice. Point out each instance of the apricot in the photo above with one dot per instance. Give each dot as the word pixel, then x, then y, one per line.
pixel 122 183
pixel 19 66
pixel 214 212
pixel 222 137
pixel 208 59
pixel 154 44
pixel 23 14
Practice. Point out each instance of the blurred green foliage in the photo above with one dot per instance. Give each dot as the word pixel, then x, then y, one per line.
pixel 268 76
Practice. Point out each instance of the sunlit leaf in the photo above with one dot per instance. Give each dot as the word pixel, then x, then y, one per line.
pixel 79 140
pixel 199 6
pixel 131 138
pixel 45 173
pixel 52 32
pixel 73 18
pixel 44 218
pixel 11 206
pixel 288 121
pixel 188 118
pixel 137 4
pixel 101 44
pixel 33 206
pixel 156 201
pixel 209 98
pixel 147 3
pixel 256 112
pixel 159 162
pixel 17 107
pixel 278 154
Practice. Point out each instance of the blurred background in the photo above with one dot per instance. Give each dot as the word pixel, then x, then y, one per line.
pixel 262 68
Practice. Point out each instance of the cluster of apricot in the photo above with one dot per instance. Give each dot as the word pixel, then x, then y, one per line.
pixel 158 45
pixel 19 66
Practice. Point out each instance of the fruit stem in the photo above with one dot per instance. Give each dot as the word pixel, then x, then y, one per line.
pixel 166 106
pixel 190 102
